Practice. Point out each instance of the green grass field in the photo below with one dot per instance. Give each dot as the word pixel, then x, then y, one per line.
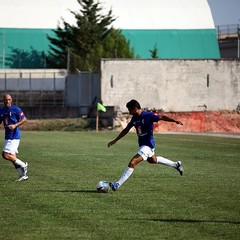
pixel 59 201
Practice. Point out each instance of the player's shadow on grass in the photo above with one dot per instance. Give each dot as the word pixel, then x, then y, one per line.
pixel 73 191
pixel 194 221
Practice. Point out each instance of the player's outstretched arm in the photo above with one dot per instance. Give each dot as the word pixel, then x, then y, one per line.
pixel 168 119
pixel 121 134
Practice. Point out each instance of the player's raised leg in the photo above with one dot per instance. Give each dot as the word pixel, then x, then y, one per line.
pixel 177 165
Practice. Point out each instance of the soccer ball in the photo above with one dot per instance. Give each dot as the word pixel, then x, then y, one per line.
pixel 103 186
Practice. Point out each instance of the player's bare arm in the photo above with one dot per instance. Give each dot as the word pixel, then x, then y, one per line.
pixel 121 134
pixel 21 122
pixel 168 119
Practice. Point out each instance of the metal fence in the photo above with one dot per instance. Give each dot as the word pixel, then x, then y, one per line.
pixel 34 88
pixel 51 88
pixel 224 31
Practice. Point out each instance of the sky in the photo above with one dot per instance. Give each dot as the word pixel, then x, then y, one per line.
pixel 225 12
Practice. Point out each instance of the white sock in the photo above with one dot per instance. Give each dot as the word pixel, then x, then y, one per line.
pixel 19 163
pixel 166 161
pixel 126 174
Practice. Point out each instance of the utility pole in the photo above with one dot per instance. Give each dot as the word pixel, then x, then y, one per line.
pixel 3 50
pixel 238 32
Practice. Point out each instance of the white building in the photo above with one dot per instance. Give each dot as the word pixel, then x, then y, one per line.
pixel 179 29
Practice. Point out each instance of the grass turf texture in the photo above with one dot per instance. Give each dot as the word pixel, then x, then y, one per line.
pixel 59 201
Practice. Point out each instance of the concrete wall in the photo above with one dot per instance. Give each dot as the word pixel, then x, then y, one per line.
pixel 172 85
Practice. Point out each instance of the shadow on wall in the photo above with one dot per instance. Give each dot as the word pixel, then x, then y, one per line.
pixel 21 59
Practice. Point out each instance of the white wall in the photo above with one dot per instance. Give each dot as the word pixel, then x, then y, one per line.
pixel 162 14
pixel 36 14
pixel 171 85
pixel 131 14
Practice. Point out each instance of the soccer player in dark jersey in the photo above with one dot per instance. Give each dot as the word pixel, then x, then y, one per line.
pixel 12 118
pixel 143 123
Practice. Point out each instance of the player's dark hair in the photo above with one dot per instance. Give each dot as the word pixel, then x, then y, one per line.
pixel 133 104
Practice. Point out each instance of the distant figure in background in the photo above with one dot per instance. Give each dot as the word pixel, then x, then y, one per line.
pixel 12 118
pixel 238 108
pixel 143 123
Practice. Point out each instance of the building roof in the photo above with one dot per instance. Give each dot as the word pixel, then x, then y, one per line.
pixel 179 29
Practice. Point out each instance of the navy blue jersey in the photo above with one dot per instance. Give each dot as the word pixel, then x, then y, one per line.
pixel 144 127
pixel 10 116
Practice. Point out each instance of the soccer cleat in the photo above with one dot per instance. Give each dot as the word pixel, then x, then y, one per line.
pixel 25 169
pixel 114 186
pixel 179 167
pixel 22 178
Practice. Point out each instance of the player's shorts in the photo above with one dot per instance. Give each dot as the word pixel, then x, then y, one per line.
pixel 11 146
pixel 146 152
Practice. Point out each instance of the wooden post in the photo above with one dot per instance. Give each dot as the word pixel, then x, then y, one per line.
pixel 97 119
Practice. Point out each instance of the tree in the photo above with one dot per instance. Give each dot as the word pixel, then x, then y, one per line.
pixel 154 52
pixel 81 46
pixel 116 46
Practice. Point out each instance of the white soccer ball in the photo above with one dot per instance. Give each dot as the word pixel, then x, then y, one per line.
pixel 103 186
